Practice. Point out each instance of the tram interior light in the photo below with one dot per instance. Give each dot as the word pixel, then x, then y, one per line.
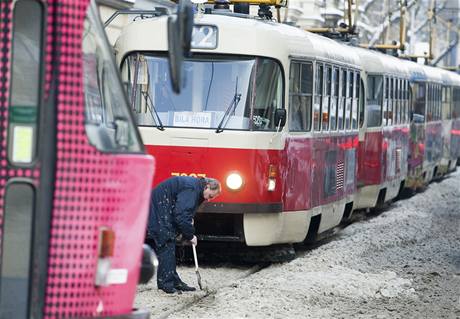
pixel 234 181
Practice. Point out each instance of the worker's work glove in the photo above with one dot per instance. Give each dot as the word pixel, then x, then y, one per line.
pixel 194 241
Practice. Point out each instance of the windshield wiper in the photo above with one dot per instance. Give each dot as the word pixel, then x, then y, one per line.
pixel 230 109
pixel 151 107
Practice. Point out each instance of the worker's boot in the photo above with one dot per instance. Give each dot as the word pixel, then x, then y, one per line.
pixel 184 287
pixel 168 290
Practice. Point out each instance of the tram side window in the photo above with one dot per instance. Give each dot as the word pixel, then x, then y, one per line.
pixel 446 102
pixel 429 116
pixel 374 100
pixel 419 103
pixel 269 95
pixel 391 88
pixel 318 97
pixel 397 107
pixel 439 95
pixel 456 103
pixel 108 124
pixel 334 98
pixel 25 81
pixel 436 103
pixel 342 99
pixel 400 101
pixel 406 101
pixel 326 99
pixel 355 110
pixel 361 101
pixel 300 95
pixel 348 103
pixel 385 101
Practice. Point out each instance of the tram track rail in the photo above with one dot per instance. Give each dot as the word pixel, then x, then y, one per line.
pixel 208 292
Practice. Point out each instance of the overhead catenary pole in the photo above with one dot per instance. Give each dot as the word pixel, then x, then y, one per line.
pixel 402 32
pixel 431 29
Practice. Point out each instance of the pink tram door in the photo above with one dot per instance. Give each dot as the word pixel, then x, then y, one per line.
pixel 74 178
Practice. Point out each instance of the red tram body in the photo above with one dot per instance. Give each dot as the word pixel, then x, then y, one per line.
pixel 301 130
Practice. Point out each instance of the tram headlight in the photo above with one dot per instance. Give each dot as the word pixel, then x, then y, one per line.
pixel 234 181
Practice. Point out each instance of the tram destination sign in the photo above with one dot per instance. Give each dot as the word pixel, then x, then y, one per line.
pixel 204 37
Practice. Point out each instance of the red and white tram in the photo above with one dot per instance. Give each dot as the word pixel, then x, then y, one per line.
pixel 383 151
pixel 450 122
pixel 281 178
pixel 301 129
pixel 426 125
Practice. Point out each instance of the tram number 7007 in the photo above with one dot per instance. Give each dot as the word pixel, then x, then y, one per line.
pixel 185 174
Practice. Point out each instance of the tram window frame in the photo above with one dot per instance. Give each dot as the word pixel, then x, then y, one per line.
pixel 385 100
pixel 446 102
pixel 333 111
pixel 439 102
pixel 263 109
pixel 296 91
pixel 349 102
pixel 456 102
pixel 420 102
pixel 341 101
pixel 400 101
pixel 407 101
pixel 26 97
pixel 354 105
pixel 109 126
pixel 318 96
pixel 396 101
pixel 375 99
pixel 435 104
pixel 390 113
pixel 429 114
pixel 326 104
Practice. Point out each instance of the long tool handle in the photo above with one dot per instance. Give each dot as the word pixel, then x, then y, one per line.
pixel 195 258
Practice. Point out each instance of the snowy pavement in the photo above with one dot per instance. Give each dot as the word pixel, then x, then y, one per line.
pixel 402 263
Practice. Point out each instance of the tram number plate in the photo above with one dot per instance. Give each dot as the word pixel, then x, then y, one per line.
pixel 204 37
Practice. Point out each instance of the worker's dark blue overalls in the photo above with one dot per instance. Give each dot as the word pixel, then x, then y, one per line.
pixel 172 207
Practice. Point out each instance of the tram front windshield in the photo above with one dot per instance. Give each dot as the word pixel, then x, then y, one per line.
pixel 225 93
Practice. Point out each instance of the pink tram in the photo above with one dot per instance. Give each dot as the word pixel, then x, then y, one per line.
pixel 74 178
pixel 300 129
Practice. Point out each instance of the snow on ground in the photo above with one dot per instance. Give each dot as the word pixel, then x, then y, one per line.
pixel 402 263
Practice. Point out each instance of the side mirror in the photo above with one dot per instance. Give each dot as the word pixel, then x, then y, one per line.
pixel 280 117
pixel 180 27
pixel 149 264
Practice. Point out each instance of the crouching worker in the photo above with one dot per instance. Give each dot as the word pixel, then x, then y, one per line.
pixel 173 205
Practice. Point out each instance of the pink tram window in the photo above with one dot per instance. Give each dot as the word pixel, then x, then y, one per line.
pixel 108 123
pixel 25 82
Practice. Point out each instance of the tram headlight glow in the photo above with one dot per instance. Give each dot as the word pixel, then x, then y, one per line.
pixel 234 181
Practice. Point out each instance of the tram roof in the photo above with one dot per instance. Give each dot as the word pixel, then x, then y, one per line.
pixel 378 63
pixel 241 36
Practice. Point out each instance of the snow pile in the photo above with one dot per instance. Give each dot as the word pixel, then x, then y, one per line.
pixel 402 263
